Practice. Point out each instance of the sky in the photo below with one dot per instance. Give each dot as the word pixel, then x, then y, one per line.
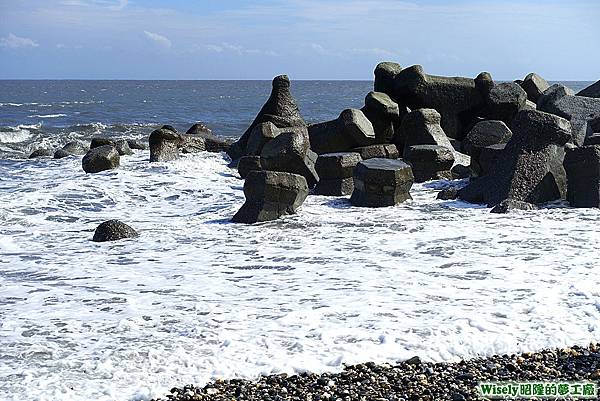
pixel 306 39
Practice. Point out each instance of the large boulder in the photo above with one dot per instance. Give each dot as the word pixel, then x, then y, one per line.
pixel 290 152
pixel 530 168
pixel 484 159
pixel 98 141
pixel 335 172
pixel 383 113
pixel 429 162
pixel 164 145
pixel 422 127
pixel 385 77
pixel 351 129
pixel 458 100
pixel 191 144
pixel 123 148
pixel 246 164
pixel 381 182
pixel 583 175
pixel 281 109
pixel 100 159
pixel 212 143
pixel 582 112
pixel 504 101
pixel 260 135
pixel 591 91
pixel 534 86
pixel 136 144
pixel 389 151
pixel 113 230
pixel 74 148
pixel 486 133
pixel 270 195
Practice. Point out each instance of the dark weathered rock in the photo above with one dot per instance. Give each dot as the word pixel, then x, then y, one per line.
pixel 593 139
pixel 504 101
pixel 290 152
pixel 422 127
pixel 457 99
pixel 486 133
pixel 591 91
pixel 530 169
pixel 381 182
pixel 483 160
pixel 260 135
pixel 100 159
pixel 583 176
pixel 534 86
pixel 123 148
pixel 334 187
pixel 448 194
pixel 270 195
pixel 246 164
pixel 41 153
pixel 280 109
pixel 385 77
pixel 351 129
pixel 337 165
pixel 74 148
pixel 164 145
pixel 199 129
pixel 429 162
pixel 460 171
pixel 389 151
pixel 97 142
pixel 508 205
pixel 169 128
pixel 113 230
pixel 383 113
pixel 191 144
pixel 136 144
pixel 582 112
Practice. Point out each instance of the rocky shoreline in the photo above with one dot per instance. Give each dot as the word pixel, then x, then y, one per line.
pixel 411 380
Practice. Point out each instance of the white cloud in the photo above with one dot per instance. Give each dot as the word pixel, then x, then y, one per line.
pixel 14 42
pixel 158 39
pixel 237 49
pixel 121 4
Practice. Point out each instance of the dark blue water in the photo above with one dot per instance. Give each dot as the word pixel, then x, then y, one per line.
pixel 50 113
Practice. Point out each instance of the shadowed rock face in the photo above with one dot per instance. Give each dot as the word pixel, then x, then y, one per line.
pixel 582 112
pixel 583 173
pixel 335 173
pixel 383 113
pixel 270 195
pixel 591 91
pixel 429 162
pixel 248 164
pixel 504 101
pixel 281 109
pixel 385 77
pixel 530 169
pixel 457 99
pixel 164 145
pixel 113 230
pixel 422 127
pixel 100 159
pixel 351 129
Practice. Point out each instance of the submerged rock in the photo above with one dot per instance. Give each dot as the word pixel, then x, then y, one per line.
pixel 270 195
pixel 113 230
pixel 97 142
pixel 136 144
pixel 123 148
pixel 41 153
pixel 100 159
pixel 508 205
pixel 74 148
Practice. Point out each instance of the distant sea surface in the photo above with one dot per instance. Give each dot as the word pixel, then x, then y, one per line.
pixel 50 113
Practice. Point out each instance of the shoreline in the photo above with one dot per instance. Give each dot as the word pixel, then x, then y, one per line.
pixel 411 380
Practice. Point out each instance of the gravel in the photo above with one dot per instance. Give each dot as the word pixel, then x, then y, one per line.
pixel 411 380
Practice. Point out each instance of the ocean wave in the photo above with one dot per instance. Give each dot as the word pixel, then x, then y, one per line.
pixel 15 136
pixel 47 115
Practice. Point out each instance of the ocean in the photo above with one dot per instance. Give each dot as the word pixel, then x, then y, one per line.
pixel 196 297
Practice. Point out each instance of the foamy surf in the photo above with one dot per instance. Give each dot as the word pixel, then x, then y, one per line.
pixel 197 297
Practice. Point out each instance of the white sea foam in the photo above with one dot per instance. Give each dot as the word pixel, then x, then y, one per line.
pixel 48 115
pixel 196 296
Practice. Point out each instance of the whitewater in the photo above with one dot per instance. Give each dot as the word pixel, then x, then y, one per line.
pixel 196 297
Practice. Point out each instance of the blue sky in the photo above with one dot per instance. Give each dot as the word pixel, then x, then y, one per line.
pixel 307 39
